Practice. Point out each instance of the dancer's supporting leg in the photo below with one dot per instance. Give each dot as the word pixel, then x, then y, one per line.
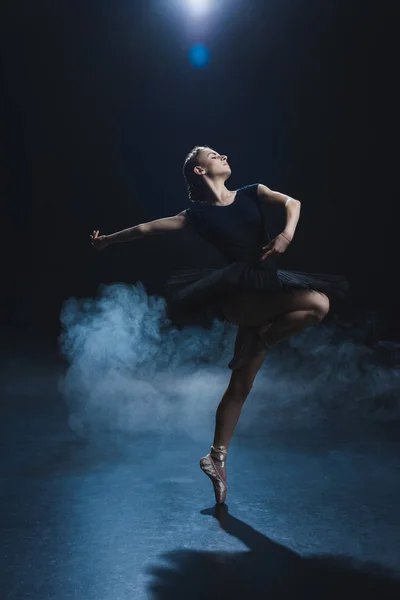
pixel 231 404
pixel 228 413
pixel 279 318
pixel 242 379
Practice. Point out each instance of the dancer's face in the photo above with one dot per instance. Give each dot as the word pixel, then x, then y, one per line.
pixel 213 164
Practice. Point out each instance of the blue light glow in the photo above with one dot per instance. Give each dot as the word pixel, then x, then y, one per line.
pixel 199 55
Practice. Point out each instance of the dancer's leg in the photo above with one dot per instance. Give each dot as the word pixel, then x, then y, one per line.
pixel 274 317
pixel 242 379
pixel 289 324
pixel 230 406
pixel 241 382
pixel 260 308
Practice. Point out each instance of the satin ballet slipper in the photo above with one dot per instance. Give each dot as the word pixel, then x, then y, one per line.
pixel 209 465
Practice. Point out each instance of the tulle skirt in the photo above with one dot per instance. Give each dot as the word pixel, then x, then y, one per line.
pixel 195 296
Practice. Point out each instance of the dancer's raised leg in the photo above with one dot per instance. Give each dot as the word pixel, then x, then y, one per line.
pixel 283 314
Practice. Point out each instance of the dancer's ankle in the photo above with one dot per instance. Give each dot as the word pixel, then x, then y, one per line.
pixel 219 454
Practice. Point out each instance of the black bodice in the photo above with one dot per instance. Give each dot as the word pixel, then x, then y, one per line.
pixel 237 230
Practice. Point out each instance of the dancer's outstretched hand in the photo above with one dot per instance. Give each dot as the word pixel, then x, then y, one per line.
pixel 99 241
pixel 276 246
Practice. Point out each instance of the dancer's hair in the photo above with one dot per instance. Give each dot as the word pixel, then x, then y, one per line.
pixel 194 182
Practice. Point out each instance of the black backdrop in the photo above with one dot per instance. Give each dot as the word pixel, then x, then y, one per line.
pixel 101 104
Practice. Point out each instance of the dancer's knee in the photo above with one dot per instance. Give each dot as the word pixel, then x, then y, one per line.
pixel 319 307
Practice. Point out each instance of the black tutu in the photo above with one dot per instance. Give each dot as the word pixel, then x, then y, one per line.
pixel 196 295
pixel 238 231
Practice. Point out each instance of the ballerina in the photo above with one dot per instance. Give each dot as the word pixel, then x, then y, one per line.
pixel 267 304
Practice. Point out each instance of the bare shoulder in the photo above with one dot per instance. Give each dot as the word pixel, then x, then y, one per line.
pixel 272 196
pixel 263 190
pixel 187 222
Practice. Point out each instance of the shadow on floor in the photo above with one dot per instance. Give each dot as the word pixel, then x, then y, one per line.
pixel 268 571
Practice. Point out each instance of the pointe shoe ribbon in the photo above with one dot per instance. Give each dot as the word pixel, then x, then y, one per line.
pixel 209 466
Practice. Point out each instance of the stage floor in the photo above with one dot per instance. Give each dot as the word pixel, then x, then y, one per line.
pixel 118 517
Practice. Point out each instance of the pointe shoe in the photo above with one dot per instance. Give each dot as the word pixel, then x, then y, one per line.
pixel 209 465
pixel 253 345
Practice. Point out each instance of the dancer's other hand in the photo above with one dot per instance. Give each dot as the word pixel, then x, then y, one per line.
pixel 276 246
pixel 99 241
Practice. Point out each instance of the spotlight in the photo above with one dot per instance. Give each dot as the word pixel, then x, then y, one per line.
pixel 199 7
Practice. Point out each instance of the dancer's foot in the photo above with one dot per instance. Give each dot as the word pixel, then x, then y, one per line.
pixel 253 345
pixel 213 465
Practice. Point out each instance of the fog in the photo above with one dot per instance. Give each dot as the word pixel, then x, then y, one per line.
pixel 130 369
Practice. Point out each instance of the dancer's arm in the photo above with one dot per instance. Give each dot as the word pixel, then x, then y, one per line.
pixel 165 225
pixel 291 205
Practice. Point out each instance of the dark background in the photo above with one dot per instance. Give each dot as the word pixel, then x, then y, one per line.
pixel 100 105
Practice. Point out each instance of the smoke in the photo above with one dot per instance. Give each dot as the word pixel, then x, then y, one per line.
pixel 131 370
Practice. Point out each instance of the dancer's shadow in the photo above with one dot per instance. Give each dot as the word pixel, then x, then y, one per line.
pixel 268 571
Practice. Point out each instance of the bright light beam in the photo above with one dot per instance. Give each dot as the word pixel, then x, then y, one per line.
pixel 199 7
